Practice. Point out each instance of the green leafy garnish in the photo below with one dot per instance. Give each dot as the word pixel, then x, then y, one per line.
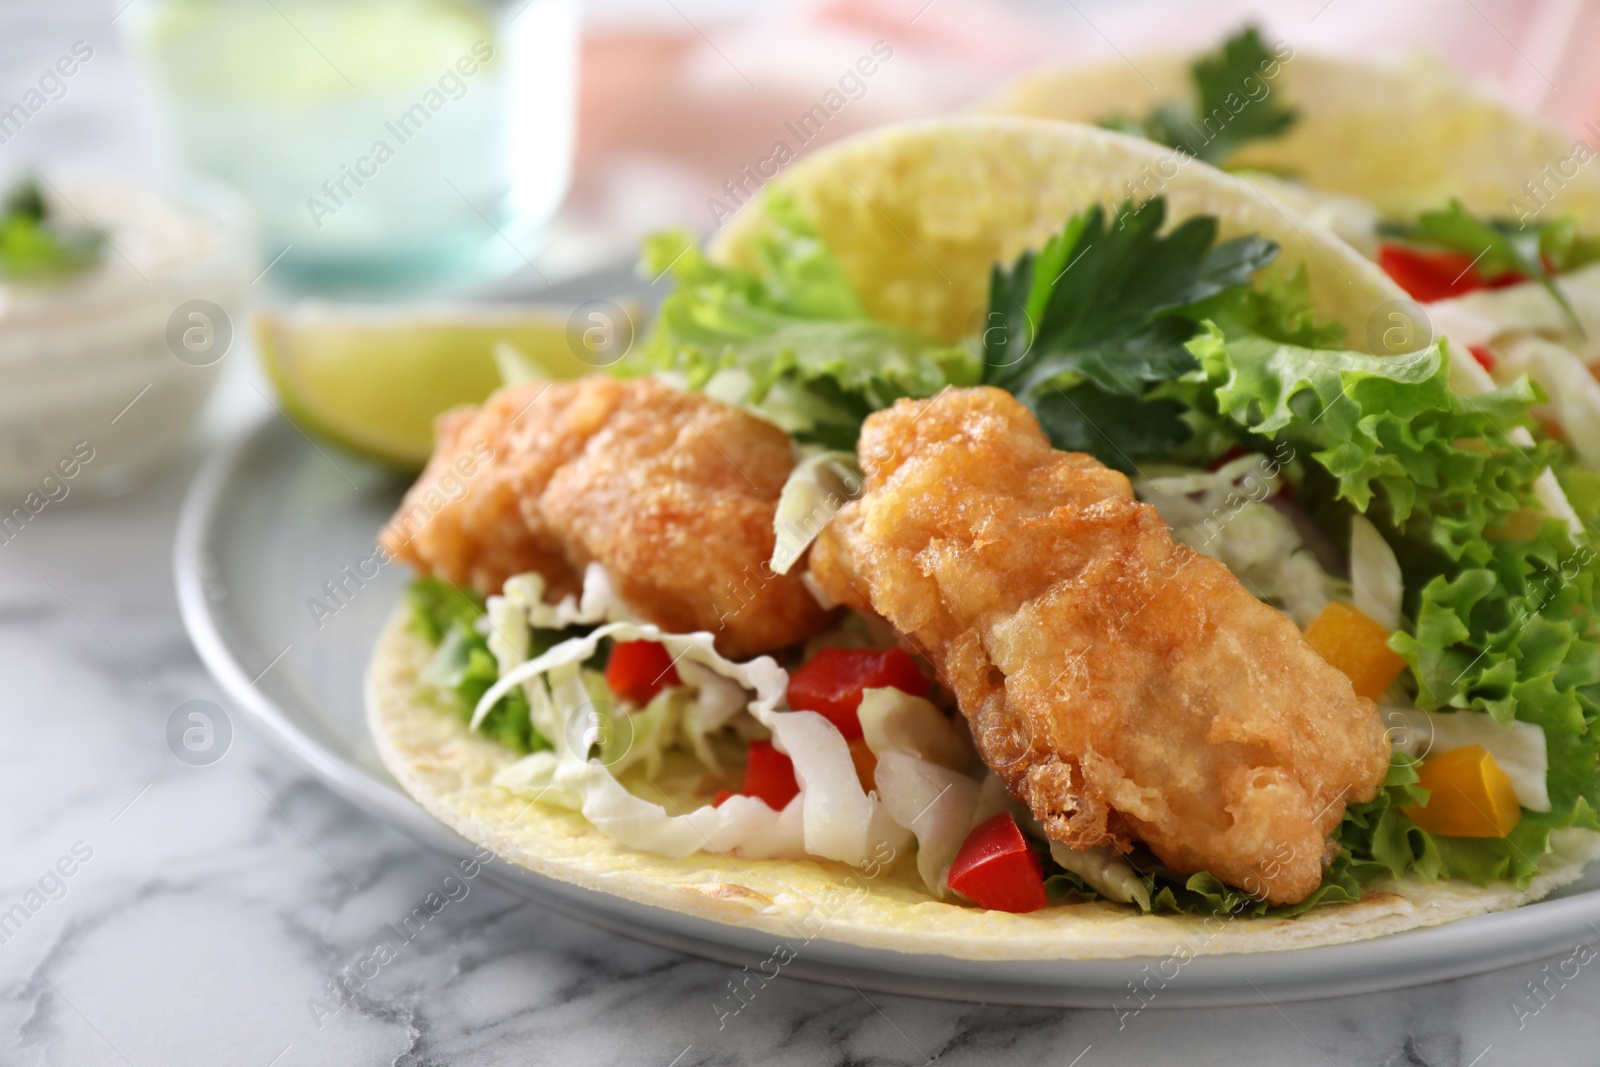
pixel 462 668
pixel 1505 622
pixel 1079 331
pixel 795 342
pixel 1203 893
pixel 1232 105
pixel 1503 246
pixel 33 247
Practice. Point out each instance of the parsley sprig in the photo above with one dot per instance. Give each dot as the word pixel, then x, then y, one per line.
pixel 1081 330
pixel 1226 112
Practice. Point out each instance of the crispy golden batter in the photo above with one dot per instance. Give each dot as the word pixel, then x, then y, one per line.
pixel 1125 687
pixel 673 493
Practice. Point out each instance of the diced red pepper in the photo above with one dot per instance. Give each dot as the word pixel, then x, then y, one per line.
pixel 1430 276
pixel 1228 457
pixel 638 670
pixel 1484 357
pixel 832 681
pixel 769 776
pixel 722 795
pixel 996 869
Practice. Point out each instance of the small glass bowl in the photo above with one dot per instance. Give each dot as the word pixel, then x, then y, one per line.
pixel 102 374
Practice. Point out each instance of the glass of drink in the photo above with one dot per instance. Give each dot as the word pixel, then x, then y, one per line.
pixel 386 144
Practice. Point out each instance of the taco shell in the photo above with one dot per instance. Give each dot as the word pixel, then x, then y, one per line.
pixel 1404 135
pixel 917 215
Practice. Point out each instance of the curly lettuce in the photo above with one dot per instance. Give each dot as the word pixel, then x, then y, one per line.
pixel 788 338
pixel 1501 594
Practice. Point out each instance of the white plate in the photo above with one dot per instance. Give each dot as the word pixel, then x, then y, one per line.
pixel 270 520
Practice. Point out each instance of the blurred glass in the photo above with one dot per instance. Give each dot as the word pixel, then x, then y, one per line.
pixel 386 144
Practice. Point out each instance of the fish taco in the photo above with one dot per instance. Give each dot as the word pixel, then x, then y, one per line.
pixel 976 561
pixel 1487 216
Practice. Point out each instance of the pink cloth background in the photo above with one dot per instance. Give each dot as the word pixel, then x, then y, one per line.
pixel 670 113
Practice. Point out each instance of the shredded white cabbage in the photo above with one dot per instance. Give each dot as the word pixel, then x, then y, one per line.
pixel 521 607
pixel 895 721
pixel 994 797
pixel 1487 314
pixel 717 703
pixel 833 817
pixel 534 776
pixel 1376 587
pixel 818 487
pixel 1572 388
pixel 1209 498
pixel 1222 514
pixel 1106 872
pixel 934 803
pixel 1519 749
pixel 919 776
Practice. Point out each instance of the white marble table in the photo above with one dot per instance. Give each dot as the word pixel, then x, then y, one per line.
pixel 209 908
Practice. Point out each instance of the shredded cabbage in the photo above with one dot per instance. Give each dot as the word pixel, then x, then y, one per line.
pixel 1518 747
pixel 1376 586
pixel 817 488
pixel 921 757
pixel 1482 316
pixel 1104 871
pixel 1222 514
pixel 893 720
pixel 1573 390
pixel 934 803
pixel 832 817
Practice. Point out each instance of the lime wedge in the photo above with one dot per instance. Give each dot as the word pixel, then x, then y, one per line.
pixel 373 379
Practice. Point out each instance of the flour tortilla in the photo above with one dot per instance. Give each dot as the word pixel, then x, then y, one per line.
pixel 917 215
pixel 1403 135
pixel 450 771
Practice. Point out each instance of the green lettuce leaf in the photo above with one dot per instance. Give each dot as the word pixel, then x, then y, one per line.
pixel 1504 612
pixel 790 338
pixel 462 668
pixel 1441 469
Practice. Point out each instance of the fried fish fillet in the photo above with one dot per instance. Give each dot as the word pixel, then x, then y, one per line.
pixel 1125 687
pixel 672 493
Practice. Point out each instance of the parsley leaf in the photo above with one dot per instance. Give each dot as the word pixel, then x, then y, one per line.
pixel 1499 246
pixel 1080 330
pixel 1232 106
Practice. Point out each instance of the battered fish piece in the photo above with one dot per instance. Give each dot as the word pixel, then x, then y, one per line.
pixel 1125 687
pixel 672 493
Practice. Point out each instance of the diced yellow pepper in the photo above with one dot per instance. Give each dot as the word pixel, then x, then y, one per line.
pixel 1521 525
pixel 1358 645
pixel 866 764
pixel 1470 795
